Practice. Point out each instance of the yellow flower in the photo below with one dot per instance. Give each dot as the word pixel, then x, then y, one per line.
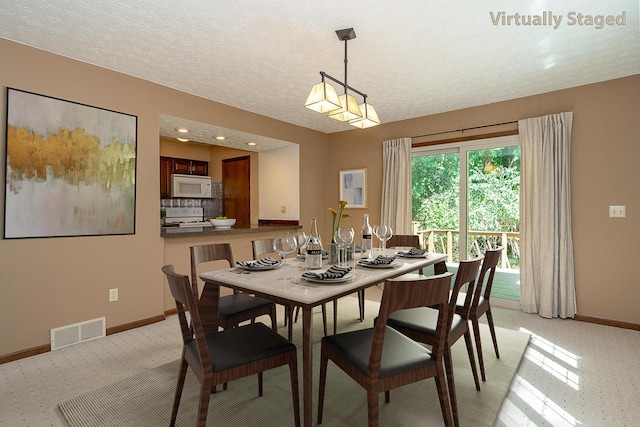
pixel 340 216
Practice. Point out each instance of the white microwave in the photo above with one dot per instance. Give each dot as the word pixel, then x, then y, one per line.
pixel 193 186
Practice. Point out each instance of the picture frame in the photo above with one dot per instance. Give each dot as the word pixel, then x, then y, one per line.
pixel 353 187
pixel 70 168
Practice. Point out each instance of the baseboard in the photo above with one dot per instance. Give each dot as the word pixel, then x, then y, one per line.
pixel 136 324
pixel 515 305
pixel 607 322
pixel 6 358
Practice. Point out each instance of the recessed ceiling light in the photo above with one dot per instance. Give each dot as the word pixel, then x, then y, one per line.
pixel 251 143
pixel 182 139
pixel 221 137
pixel 183 130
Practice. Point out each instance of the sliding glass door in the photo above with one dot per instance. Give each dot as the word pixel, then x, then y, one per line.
pixel 466 200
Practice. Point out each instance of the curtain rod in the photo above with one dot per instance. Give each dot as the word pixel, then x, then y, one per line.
pixel 463 129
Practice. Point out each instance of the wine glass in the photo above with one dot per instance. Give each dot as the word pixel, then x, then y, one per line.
pixel 284 247
pixel 383 233
pixel 344 238
pixel 299 239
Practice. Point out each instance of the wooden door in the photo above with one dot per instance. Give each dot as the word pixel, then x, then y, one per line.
pixel 236 190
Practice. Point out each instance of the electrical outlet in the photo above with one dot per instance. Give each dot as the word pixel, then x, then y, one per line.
pixel 617 211
pixel 283 209
pixel 113 294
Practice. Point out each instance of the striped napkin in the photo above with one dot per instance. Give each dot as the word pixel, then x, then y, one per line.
pixel 379 260
pixel 260 263
pixel 334 272
pixel 413 251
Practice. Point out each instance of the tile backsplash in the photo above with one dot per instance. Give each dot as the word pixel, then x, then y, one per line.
pixel 212 207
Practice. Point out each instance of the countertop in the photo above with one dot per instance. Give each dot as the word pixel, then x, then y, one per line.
pixel 212 231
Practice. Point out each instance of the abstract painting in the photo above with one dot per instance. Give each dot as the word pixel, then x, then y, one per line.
pixel 70 168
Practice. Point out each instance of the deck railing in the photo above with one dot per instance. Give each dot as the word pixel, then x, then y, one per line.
pixel 442 240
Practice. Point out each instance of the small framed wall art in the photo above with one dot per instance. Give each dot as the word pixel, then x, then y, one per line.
pixel 353 187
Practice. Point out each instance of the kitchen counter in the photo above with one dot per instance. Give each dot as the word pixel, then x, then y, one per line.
pixel 212 231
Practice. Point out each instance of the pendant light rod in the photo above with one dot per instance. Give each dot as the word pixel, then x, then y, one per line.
pixel 345 61
pixel 345 35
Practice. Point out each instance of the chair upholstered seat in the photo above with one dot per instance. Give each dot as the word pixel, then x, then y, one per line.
pixel 241 304
pixel 245 344
pixel 423 320
pixel 399 354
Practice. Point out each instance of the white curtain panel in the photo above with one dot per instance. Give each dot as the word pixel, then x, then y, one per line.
pixel 396 185
pixel 546 269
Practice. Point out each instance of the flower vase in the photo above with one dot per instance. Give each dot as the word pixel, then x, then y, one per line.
pixel 333 253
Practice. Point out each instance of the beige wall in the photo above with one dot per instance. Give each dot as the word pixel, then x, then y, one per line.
pixel 46 283
pixel 604 155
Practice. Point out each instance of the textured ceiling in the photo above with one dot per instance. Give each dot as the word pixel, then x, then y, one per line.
pixel 411 57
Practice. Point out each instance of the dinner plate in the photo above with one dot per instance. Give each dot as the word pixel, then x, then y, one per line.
pixel 405 255
pixel 393 264
pixel 349 276
pixel 259 268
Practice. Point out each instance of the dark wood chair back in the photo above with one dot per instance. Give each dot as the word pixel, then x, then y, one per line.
pixel 182 293
pixel 491 257
pixel 466 277
pixel 262 247
pixel 408 292
pixel 408 240
pixel 208 253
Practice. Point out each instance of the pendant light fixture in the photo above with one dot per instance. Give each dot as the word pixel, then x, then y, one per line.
pixel 324 99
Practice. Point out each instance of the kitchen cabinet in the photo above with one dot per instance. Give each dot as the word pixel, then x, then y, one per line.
pixel 190 167
pixel 171 165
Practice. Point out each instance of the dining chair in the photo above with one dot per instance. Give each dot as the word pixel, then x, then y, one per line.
pixel 365 354
pixel 225 355
pixel 235 308
pixel 405 240
pixel 420 324
pixel 263 247
pixel 473 305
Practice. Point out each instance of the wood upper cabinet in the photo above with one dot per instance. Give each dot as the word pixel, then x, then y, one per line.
pixel 171 165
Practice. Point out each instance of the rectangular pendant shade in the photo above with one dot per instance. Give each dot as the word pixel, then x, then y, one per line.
pixel 349 109
pixel 369 117
pixel 323 98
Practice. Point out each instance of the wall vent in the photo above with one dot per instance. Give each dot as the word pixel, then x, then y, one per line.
pixel 78 332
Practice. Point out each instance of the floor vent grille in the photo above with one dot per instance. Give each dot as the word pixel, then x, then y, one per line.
pixel 78 332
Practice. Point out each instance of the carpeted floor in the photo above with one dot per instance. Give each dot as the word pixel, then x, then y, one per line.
pixel 146 399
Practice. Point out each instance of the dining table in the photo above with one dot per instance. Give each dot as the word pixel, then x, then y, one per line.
pixel 286 286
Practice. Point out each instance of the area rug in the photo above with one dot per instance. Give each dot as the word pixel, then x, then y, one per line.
pixel 146 399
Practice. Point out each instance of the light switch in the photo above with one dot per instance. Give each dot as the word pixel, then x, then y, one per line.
pixel 617 211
